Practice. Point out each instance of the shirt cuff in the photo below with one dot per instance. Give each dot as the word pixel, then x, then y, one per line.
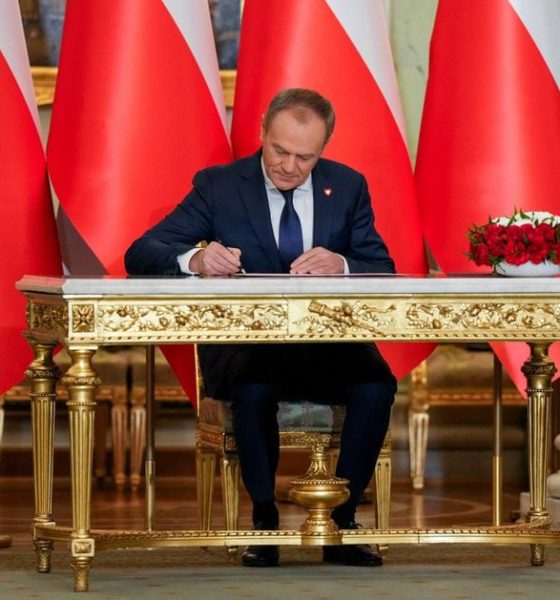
pixel 184 260
pixel 346 268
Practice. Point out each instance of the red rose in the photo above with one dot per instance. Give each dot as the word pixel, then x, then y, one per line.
pixel 479 254
pixel 515 253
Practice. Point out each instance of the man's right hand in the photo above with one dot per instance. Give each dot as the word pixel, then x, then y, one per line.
pixel 216 259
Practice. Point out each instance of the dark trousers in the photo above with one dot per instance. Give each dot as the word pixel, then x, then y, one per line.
pixel 368 397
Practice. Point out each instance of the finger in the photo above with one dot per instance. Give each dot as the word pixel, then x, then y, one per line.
pixel 235 251
pixel 322 262
pixel 218 260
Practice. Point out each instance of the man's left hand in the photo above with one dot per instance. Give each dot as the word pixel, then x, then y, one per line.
pixel 317 261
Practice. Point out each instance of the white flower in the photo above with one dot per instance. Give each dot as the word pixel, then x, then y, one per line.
pixel 533 217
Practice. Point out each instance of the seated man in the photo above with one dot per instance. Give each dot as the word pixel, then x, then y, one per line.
pixel 284 210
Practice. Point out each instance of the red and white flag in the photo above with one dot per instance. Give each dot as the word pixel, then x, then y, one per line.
pixel 138 110
pixel 341 49
pixel 490 136
pixel 28 240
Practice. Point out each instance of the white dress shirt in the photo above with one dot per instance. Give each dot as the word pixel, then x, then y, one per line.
pixel 303 204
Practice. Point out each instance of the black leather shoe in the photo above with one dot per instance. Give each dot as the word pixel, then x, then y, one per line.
pixel 358 555
pixel 260 556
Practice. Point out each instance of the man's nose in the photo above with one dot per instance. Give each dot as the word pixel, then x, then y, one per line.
pixel 289 164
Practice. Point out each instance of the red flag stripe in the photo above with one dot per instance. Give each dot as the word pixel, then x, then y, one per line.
pixel 133 119
pixel 367 136
pixel 150 87
pixel 490 135
pixel 27 230
pixel 503 149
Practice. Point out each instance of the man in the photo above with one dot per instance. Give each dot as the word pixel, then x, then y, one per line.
pixel 284 209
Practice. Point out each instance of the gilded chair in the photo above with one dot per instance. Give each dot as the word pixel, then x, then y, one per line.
pixel 454 375
pixel 302 425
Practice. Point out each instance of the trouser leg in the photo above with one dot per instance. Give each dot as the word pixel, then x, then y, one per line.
pixel 368 411
pixel 254 407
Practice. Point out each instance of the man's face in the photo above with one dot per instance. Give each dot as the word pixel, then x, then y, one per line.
pixel 291 148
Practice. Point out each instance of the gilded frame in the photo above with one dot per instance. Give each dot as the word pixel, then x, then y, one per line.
pixel 44 83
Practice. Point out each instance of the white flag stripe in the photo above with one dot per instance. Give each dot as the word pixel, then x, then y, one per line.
pixel 12 46
pixel 365 24
pixel 542 20
pixel 193 20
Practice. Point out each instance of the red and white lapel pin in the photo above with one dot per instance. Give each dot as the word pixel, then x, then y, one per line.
pixel 327 191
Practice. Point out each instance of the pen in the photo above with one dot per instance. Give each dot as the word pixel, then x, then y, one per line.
pixel 241 269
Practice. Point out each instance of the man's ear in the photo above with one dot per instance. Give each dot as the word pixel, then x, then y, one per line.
pixel 261 135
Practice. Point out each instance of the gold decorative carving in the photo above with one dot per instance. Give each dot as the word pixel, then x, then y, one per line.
pixel 88 380
pixel 41 374
pixel 85 547
pixel 483 316
pixel 308 439
pixel 49 317
pixel 83 317
pixel 343 317
pixel 193 317
pixel 43 551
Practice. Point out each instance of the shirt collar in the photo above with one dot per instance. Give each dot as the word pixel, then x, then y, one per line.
pixel 306 185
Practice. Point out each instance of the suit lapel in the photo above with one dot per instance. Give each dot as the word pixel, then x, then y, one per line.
pixel 253 195
pixel 324 197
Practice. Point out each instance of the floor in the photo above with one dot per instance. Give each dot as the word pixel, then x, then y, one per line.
pixel 431 572
pixel 437 506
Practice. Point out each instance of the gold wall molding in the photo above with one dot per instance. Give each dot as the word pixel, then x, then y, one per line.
pixel 44 84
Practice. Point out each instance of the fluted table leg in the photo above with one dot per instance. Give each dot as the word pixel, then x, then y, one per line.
pixel 538 370
pixel 43 375
pixel 81 382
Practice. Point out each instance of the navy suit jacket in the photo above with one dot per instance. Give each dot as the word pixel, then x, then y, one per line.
pixel 229 204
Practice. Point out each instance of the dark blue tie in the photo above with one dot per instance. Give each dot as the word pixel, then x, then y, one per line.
pixel 290 238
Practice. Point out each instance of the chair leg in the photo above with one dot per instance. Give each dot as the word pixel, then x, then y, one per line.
pixel 230 494
pixel 119 417
pixel 1 419
pixel 418 421
pixel 383 471
pixel 137 443
pixel 205 473
pixel 100 444
pixel 383 496
pixel 418 426
pixel 230 489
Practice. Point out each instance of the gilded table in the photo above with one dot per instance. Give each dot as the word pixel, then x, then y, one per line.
pixel 84 314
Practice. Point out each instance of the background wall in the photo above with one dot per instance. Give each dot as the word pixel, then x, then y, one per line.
pixel 411 23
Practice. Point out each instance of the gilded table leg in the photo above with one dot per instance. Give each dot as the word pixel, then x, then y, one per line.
pixel 81 382
pixel 538 370
pixel 42 375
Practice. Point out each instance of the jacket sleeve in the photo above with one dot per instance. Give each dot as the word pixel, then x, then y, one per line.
pixel 156 251
pixel 367 251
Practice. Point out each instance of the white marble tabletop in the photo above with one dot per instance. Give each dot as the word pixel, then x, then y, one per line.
pixel 264 285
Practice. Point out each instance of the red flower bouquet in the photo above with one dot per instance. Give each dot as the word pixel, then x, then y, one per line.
pixel 525 238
